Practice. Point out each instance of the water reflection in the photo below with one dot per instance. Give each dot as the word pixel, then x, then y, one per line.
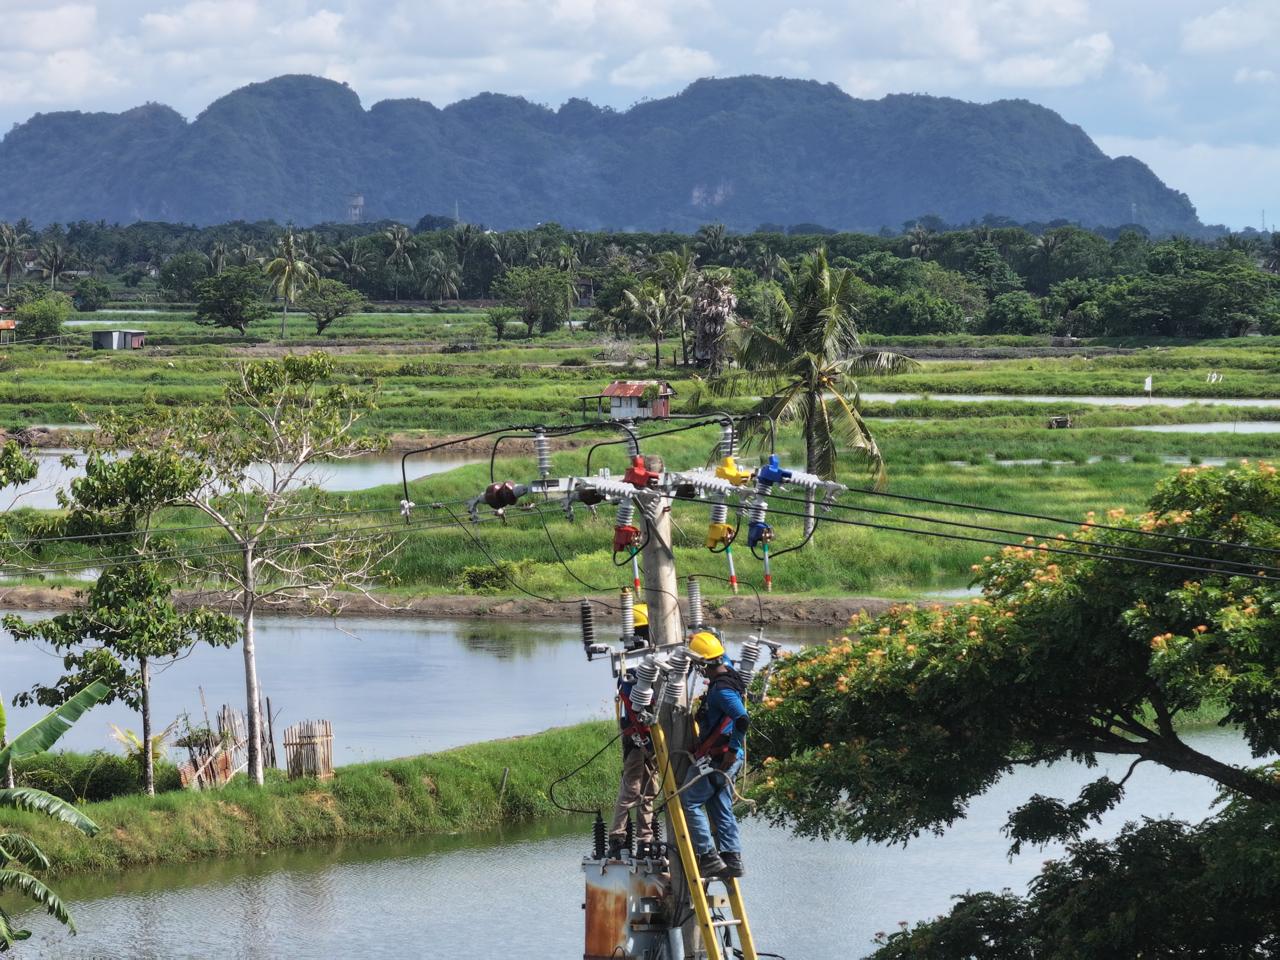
pixel 518 892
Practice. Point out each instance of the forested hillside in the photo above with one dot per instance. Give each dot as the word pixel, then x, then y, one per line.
pixel 741 151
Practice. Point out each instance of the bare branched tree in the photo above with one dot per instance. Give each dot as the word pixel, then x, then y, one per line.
pixel 257 459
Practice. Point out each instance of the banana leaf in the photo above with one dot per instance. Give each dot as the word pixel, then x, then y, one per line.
pixel 43 734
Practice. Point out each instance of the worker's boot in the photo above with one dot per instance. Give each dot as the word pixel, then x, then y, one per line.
pixel 732 863
pixel 615 846
pixel 710 865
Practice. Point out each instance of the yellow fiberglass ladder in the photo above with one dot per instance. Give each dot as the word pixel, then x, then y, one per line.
pixel 705 904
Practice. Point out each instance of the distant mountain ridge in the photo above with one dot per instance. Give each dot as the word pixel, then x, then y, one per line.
pixel 741 151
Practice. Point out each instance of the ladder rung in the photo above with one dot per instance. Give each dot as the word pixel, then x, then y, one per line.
pixel 726 923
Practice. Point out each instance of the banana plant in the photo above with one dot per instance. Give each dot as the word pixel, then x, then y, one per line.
pixel 18 854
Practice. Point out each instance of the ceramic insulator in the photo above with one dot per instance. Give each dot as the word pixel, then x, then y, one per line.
pixel 646 677
pixel 678 669
pixel 542 448
pixel 748 658
pixel 628 614
pixel 695 604
pixel 719 512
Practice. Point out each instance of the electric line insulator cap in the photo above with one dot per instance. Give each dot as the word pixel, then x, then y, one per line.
pixel 719 535
pixel 625 537
pixel 501 495
pixel 728 469
pixel 640 476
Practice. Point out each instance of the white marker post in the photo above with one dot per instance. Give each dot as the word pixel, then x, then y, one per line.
pixel 1146 385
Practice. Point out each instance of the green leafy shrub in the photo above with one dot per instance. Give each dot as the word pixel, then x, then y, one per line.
pixel 89 777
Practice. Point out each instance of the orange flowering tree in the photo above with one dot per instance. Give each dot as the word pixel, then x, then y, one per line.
pixel 891 730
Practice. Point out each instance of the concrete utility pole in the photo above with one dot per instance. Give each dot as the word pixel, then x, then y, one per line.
pixel 661 594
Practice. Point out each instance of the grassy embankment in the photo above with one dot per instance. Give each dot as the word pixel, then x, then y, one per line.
pixel 939 449
pixel 451 792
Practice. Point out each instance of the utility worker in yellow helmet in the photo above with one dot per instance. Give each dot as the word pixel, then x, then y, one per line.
pixel 707 793
pixel 638 788
pixel 641 612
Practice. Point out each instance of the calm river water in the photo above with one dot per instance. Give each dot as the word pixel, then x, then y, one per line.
pixel 390 686
pixel 339 476
pixel 517 893
pixel 398 687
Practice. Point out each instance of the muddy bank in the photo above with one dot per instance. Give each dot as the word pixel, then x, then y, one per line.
pixel 808 610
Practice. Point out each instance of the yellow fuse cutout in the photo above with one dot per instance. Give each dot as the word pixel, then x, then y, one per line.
pixel 728 470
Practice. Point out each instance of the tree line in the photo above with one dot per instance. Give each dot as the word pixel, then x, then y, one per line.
pixel 988 278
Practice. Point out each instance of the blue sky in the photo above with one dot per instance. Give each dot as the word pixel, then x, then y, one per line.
pixel 1189 87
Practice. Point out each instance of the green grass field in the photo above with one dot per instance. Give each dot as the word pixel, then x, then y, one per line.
pixel 934 448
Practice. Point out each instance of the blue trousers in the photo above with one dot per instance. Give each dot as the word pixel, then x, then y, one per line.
pixel 715 794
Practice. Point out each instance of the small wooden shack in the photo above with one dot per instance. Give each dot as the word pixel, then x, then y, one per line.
pixel 633 400
pixel 119 339
pixel 8 326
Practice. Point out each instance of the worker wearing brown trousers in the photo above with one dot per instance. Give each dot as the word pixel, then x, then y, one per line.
pixel 638 788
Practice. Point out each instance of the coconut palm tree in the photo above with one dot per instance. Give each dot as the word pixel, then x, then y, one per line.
pixel 246 253
pixel 467 239
pixel 677 273
pixel 18 854
pixel 53 258
pixel 289 273
pixel 400 254
pixel 921 241
pixel 805 358
pixel 218 254
pixel 649 303
pixel 767 262
pixel 350 260
pixel 441 277
pixel 12 246
pixel 711 241
pixel 568 261
pixel 1271 254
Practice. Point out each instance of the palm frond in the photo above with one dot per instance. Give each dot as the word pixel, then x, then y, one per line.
pixel 8 935
pixel 857 435
pixel 879 363
pixel 37 801
pixel 24 884
pixel 44 733
pixel 16 846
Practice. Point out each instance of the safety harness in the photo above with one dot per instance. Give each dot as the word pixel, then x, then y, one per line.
pixel 714 740
pixel 631 725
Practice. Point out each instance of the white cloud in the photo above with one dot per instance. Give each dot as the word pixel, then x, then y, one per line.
pixel 798 30
pixel 1254 75
pixel 202 23
pixel 1152 84
pixel 1233 27
pixel 665 65
pixel 62 27
pixel 1083 59
pixel 322 30
pixel 1229 183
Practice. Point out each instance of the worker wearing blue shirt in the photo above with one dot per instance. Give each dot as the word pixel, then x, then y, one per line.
pixel 718 756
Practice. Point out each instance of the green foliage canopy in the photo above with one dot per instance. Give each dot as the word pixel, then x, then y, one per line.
pixel 328 301
pixel 892 731
pixel 232 299
pixel 42 319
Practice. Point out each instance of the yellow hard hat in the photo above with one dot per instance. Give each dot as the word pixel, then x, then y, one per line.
pixel 706 646
pixel 641 611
